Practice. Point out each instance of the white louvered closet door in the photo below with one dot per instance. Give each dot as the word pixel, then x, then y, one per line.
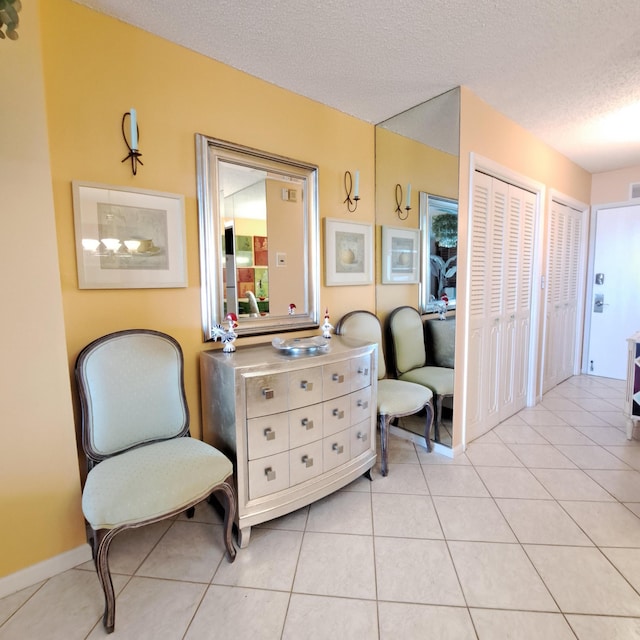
pixel 501 269
pixel 564 242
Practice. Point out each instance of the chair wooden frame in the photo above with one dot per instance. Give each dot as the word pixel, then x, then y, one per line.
pixel 101 539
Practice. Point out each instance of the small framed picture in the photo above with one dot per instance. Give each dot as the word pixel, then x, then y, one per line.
pixel 400 255
pixel 348 251
pixel 128 238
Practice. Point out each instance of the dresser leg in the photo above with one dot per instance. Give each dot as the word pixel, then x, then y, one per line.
pixel 243 537
pixel 630 424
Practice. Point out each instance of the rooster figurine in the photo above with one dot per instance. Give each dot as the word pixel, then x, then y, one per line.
pixel 326 326
pixel 227 336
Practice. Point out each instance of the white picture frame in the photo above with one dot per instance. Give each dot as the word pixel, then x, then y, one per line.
pixel 400 255
pixel 128 238
pixel 348 250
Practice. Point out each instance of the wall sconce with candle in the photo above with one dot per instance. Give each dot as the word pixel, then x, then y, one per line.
pixel 399 201
pixel 348 187
pixel 132 143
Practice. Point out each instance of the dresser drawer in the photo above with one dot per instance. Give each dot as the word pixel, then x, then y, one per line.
pixel 268 475
pixel 360 436
pixel 305 387
pixel 360 402
pixel 305 462
pixel 360 372
pixel 305 425
pixel 267 435
pixel 336 450
pixel 336 415
pixel 267 394
pixel 336 379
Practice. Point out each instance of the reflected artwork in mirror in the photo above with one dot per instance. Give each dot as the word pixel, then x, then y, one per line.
pixel 439 245
pixel 258 217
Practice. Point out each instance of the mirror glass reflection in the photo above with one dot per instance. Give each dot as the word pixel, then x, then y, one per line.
pixel 258 230
pixel 435 128
pixel 439 248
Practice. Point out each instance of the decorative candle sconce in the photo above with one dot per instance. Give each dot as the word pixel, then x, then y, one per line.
pixel 348 186
pixel 132 145
pixel 399 201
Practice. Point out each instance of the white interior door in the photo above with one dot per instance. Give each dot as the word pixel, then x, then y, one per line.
pixel 565 243
pixel 615 292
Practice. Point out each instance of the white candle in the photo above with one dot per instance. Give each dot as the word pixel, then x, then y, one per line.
pixel 356 191
pixel 134 128
pixel 409 195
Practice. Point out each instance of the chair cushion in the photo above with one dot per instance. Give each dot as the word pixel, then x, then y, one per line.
pixel 441 342
pixel 151 481
pixel 397 398
pixel 438 379
pixel 408 339
pixel 364 325
pixel 132 388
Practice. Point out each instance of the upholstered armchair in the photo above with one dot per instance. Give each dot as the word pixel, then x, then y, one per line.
pixel 406 334
pixel 143 466
pixel 396 398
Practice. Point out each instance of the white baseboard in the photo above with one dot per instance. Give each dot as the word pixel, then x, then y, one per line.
pixel 42 570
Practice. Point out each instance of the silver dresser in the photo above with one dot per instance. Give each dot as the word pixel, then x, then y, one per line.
pixel 297 427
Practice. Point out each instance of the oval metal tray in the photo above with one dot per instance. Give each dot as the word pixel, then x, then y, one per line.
pixel 301 346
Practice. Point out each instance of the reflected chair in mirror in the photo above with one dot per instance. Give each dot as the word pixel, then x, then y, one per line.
pixel 396 398
pixel 254 310
pixel 143 466
pixel 406 339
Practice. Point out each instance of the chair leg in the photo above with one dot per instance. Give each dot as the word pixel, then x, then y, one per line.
pixel 429 425
pixel 229 502
pixel 102 542
pixel 384 421
pixel 191 511
pixel 438 418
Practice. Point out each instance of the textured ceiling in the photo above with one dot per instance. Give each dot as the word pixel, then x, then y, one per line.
pixel 566 70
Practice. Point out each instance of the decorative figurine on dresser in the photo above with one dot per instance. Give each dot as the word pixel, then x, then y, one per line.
pixel 297 416
pixel 326 327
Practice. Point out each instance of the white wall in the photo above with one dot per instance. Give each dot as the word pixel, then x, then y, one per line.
pixel 39 477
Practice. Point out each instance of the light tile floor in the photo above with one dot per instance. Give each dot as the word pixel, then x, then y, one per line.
pixel 533 534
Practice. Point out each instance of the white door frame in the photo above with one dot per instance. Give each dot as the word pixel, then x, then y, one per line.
pixel 586 313
pixel 583 208
pixel 480 163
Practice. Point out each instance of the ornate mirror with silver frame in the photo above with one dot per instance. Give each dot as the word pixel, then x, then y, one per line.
pixel 259 239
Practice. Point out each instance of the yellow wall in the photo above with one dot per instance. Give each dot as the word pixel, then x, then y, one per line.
pixel 488 133
pixel 613 186
pixel 39 480
pixel 400 160
pixel 97 68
